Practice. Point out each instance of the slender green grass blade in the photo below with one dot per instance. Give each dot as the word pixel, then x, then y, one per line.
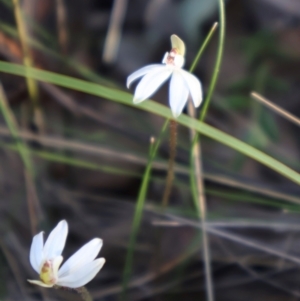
pixel 203 47
pixel 217 67
pixel 138 212
pixel 156 108
pixel 13 128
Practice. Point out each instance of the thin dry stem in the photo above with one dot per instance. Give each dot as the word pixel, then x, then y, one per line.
pixel 290 117
pixel 197 160
pixel 59 143
pixel 32 85
pixel 238 239
pixel 61 21
pixel 113 36
pixel 27 59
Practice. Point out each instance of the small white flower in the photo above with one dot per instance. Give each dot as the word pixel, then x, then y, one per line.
pixel 182 82
pixel 46 258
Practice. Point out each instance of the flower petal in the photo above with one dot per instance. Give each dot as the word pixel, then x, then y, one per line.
pixel 56 241
pixel 194 86
pixel 40 283
pixel 151 82
pixel 36 251
pixel 178 93
pixel 164 60
pixel 56 264
pixel 82 275
pixel 139 73
pixel 178 44
pixel 84 255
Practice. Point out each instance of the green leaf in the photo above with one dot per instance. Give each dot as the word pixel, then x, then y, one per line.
pixel 153 107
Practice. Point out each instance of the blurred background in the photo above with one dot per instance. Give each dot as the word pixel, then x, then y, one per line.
pixel 89 154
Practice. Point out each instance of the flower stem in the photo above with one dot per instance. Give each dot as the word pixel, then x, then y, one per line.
pixel 167 191
pixel 170 175
pixel 84 293
pixel 81 291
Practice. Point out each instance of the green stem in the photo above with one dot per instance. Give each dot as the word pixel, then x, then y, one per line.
pixel 214 79
pixel 203 47
pixel 13 128
pixel 138 213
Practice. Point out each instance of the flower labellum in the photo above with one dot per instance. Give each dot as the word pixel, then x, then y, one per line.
pixel 46 259
pixel 182 82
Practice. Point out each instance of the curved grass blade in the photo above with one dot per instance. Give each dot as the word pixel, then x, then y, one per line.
pixel 156 108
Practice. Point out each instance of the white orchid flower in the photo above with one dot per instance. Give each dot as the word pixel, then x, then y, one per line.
pixel 182 82
pixel 46 259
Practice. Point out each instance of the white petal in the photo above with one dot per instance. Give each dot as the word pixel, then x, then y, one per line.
pixel 164 60
pixel 194 86
pixel 56 241
pixel 151 82
pixel 139 73
pixel 178 93
pixel 84 255
pixel 36 251
pixel 179 60
pixel 56 264
pixel 40 283
pixel 83 275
